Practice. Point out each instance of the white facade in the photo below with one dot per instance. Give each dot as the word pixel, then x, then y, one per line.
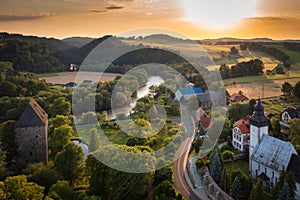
pixel 285 116
pixel 258 168
pixel 256 134
pixel 239 139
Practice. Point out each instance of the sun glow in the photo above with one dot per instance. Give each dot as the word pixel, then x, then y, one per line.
pixel 219 13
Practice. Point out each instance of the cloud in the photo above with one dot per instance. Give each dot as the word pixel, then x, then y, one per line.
pixel 21 17
pixel 268 18
pixel 97 11
pixel 113 7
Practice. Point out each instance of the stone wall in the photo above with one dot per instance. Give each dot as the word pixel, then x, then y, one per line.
pixel 212 188
pixel 32 145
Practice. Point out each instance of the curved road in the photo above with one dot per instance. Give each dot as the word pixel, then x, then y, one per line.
pixel 183 185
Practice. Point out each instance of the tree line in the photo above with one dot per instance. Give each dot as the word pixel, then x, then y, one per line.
pixel 250 68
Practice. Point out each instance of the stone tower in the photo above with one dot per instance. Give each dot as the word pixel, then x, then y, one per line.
pixel 259 125
pixel 31 135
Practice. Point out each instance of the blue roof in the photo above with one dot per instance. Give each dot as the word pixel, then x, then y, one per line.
pixel 191 91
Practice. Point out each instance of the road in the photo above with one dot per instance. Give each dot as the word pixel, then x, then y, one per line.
pixel 181 179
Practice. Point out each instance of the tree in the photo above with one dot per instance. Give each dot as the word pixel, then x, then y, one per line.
pixel 287 88
pixel 60 107
pixel 45 177
pixel 99 175
pixel 237 111
pixel 7 88
pixel 296 90
pixel 294 131
pixel 252 104
pixel 69 162
pixel 17 187
pixel 236 188
pixel 215 166
pixel 257 192
pixel 57 122
pixel 290 179
pixel 94 140
pixel 62 190
pixel 233 51
pixel 3 170
pixel 7 138
pixel 59 139
pixel 276 189
pixel 284 193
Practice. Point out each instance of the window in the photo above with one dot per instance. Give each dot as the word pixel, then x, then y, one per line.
pixel 258 167
pixel 272 173
pixel 265 170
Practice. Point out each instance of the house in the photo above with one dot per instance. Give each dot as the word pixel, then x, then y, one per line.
pixel 238 98
pixel 287 115
pixel 269 155
pixel 31 135
pixel 187 93
pixel 203 126
pixel 211 98
pixel 72 85
pixel 200 113
pixel 241 134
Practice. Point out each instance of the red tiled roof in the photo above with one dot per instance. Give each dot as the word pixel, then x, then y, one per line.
pixel 243 125
pixel 205 122
pixel 238 97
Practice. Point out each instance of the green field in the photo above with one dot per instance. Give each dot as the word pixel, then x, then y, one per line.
pixel 239 165
pixel 44 75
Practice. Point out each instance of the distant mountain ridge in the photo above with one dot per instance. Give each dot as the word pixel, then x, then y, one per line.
pixel 40 54
pixel 77 41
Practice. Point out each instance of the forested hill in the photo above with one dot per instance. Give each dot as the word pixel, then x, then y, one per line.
pixel 35 54
pixel 39 54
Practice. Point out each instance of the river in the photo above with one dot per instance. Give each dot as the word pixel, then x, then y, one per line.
pixel 141 92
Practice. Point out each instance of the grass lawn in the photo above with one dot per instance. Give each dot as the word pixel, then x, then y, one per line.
pixel 114 135
pixel 239 165
pixel 51 74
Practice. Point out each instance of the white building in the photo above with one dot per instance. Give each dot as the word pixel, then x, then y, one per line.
pixel 241 134
pixel 269 155
pixel 187 93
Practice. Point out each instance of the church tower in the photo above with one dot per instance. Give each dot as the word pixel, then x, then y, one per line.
pixel 259 125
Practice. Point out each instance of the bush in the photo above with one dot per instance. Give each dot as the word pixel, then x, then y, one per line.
pixel 227 155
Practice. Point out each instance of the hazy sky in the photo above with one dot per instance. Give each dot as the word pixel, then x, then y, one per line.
pixel 197 19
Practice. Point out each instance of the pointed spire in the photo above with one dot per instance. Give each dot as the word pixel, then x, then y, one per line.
pixel 258 118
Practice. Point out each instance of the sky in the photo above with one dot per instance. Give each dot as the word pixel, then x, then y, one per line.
pixel 195 19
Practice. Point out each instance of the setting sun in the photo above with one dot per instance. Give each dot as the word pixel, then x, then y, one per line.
pixel 219 14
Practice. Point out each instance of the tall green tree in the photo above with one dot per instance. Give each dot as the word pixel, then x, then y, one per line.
pixel 257 192
pixel 59 139
pixel 62 191
pixel 60 107
pixel 294 131
pixel 99 175
pixel 287 88
pixel 45 177
pixel 7 138
pixel 284 193
pixel 236 188
pixel 94 142
pixel 69 162
pixel 17 187
pixel 296 90
pixel 216 166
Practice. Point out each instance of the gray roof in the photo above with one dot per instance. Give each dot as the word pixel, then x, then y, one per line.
pixel 258 118
pixel 32 116
pixel 210 95
pixel 273 153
